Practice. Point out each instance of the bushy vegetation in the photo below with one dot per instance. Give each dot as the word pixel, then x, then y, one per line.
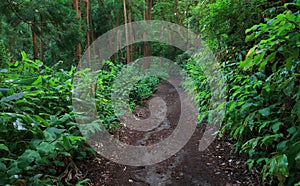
pixel 39 138
pixel 256 44
pixel 134 87
pixel 262 73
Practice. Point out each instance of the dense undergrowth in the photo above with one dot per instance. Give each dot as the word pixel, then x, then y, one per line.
pixel 257 46
pixel 39 138
pixel 262 74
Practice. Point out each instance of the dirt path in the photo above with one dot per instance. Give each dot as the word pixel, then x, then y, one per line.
pixel 214 166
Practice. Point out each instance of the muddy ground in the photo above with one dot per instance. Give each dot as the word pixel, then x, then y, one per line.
pixel 214 166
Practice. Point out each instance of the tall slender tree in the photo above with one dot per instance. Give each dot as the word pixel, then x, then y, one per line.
pixel 128 57
pixel 147 47
pixel 88 53
pixel 78 17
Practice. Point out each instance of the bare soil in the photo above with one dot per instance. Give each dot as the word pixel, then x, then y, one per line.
pixel 214 166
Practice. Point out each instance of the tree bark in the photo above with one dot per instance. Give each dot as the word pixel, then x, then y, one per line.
pixel 88 53
pixel 78 15
pixel 118 38
pixel 35 48
pixel 41 48
pixel 34 43
pixel 147 47
pixel 126 34
pixel 131 35
pixel 92 34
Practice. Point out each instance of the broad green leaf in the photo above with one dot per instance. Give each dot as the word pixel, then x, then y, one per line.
pixel 294 148
pixel 27 81
pixel 4 91
pixel 66 143
pixel 296 109
pixel 297 158
pixel 2 167
pixel 3 147
pixel 292 130
pixel 24 56
pixel 42 120
pixel 265 112
pixel 45 147
pixel 28 157
pixel 13 97
pixel 38 81
pixel 13 169
pixel 273 165
pixel 51 133
pixel 275 127
pixel 269 139
pixel 282 145
pixel 283 164
pixel 269 58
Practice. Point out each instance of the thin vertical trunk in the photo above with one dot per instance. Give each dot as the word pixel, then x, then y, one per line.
pixel 78 15
pixel 92 33
pixel 118 38
pixel 35 47
pixel 131 35
pixel 147 48
pixel 126 33
pixel 87 32
pixel 150 8
pixel 41 48
pixel 34 43
pixel 41 41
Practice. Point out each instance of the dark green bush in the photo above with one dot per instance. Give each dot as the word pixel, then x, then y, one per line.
pixel 263 109
pixel 38 135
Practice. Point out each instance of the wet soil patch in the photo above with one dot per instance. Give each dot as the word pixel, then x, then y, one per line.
pixel 214 166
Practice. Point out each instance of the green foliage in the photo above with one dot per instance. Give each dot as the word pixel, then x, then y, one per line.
pixel 38 136
pixel 136 88
pixel 263 109
pixel 54 21
pixel 143 89
pixel 164 10
pixel 3 54
pixel 198 83
pixel 223 22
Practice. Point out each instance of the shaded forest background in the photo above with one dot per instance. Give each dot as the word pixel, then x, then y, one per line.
pixel 256 43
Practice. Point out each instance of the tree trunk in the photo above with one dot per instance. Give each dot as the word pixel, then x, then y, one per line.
pixel 147 48
pixel 35 48
pixel 131 35
pixel 118 38
pixel 41 48
pixel 92 34
pixel 78 15
pixel 88 53
pixel 126 34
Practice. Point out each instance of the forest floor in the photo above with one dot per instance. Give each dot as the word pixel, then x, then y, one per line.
pixel 214 166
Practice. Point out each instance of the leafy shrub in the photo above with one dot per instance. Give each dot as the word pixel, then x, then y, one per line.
pixel 222 22
pixel 130 84
pixel 38 136
pixel 264 108
pixel 198 83
pixel 3 54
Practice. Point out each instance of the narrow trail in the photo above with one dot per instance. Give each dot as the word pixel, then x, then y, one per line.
pixel 214 166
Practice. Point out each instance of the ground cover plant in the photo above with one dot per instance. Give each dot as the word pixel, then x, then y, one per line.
pixel 40 139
